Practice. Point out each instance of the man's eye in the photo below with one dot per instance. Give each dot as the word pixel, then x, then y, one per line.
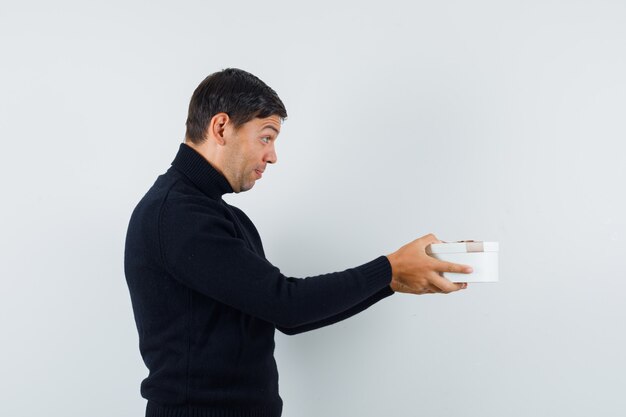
pixel 266 139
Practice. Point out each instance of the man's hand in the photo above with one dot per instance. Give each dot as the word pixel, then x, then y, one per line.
pixel 414 271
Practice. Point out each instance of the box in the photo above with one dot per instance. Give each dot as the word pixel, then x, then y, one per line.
pixel 481 256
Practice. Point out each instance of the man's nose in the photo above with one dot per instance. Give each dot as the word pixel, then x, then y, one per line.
pixel 271 157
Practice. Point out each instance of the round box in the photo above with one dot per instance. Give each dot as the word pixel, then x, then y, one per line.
pixel 481 256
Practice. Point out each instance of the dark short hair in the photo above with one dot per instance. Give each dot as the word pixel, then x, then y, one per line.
pixel 235 92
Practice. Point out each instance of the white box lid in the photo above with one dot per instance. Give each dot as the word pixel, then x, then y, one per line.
pixel 463 246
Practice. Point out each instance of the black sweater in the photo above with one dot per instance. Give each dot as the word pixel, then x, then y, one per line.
pixel 206 301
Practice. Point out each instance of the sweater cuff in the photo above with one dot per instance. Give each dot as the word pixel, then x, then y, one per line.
pixel 377 272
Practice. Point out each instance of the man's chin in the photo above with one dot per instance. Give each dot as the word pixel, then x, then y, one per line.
pixel 246 187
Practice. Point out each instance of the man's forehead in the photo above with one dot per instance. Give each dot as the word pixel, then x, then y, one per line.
pixel 271 122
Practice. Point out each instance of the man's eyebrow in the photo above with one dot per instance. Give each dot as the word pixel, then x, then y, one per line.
pixel 271 127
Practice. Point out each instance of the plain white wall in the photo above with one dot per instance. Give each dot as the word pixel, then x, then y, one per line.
pixel 487 119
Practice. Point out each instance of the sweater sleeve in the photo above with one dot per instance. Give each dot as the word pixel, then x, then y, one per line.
pixel 200 249
pixel 385 292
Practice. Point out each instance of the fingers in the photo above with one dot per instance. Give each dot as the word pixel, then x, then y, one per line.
pixel 437 284
pixel 445 285
pixel 442 266
pixel 433 289
pixel 430 288
pixel 440 288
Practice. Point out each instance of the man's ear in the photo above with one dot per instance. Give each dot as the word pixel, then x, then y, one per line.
pixel 217 128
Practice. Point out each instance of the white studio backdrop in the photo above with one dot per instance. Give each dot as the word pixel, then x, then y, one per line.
pixel 488 120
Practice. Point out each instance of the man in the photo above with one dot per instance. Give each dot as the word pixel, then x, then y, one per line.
pixel 205 299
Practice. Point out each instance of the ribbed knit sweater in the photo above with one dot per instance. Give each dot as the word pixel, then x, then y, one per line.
pixel 207 302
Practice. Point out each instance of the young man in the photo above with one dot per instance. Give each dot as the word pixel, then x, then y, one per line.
pixel 205 299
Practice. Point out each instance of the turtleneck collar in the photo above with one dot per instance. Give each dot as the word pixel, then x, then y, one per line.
pixel 193 165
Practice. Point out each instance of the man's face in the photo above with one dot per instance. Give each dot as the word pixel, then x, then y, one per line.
pixel 249 150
